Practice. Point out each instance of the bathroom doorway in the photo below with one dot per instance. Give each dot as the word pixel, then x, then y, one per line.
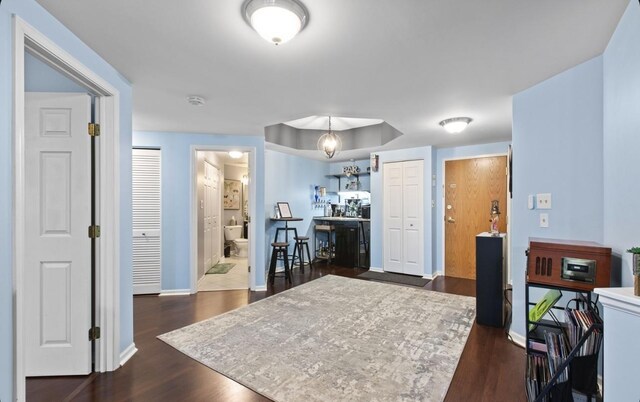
pixel 222 198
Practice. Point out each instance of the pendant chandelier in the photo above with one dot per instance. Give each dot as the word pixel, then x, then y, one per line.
pixel 329 143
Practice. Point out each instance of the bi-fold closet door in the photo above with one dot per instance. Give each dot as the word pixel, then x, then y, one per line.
pixel 403 225
pixel 146 167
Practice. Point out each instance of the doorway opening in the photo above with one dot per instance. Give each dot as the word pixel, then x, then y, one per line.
pixel 56 192
pixel 223 203
pixel 471 188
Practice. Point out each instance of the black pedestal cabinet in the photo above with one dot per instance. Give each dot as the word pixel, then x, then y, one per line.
pixel 491 279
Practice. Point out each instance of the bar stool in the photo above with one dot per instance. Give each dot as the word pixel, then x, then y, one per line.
pixel 277 249
pixel 301 241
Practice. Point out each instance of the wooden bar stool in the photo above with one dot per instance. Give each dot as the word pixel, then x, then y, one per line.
pixel 279 248
pixel 301 241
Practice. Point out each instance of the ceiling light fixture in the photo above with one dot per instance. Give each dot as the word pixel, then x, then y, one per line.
pixel 277 21
pixel 235 154
pixel 329 143
pixel 195 100
pixel 455 124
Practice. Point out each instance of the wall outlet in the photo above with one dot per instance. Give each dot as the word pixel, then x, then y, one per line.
pixel 543 201
pixel 544 220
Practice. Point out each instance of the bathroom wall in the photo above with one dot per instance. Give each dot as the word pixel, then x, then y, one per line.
pixel 235 172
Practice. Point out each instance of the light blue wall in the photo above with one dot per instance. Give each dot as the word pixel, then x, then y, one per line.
pixel 443 154
pixel 377 196
pixel 176 196
pixel 622 139
pixel 37 17
pixel 292 179
pixel 39 77
pixel 557 149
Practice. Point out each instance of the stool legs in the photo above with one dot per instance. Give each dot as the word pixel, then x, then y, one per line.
pixel 308 255
pixel 287 271
pixel 274 259
pixel 272 265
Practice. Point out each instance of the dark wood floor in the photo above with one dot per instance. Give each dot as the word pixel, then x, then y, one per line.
pixel 491 368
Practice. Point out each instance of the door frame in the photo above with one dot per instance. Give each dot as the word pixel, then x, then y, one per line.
pixel 251 151
pixel 107 313
pixel 443 209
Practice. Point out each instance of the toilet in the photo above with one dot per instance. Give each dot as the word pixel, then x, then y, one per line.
pixel 234 233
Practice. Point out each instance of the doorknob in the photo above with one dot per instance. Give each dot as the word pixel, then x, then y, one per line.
pixel 451 220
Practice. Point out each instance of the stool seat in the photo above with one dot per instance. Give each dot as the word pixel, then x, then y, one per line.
pixel 279 249
pixel 301 238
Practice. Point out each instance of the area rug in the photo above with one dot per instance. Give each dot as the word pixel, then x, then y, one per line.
pixel 221 268
pixel 337 339
pixel 395 278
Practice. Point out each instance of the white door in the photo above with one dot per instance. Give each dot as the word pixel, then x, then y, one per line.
pixel 146 201
pixel 392 204
pixel 412 213
pixel 403 225
pixel 211 215
pixel 58 258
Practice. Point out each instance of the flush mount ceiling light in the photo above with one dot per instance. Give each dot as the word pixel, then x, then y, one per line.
pixel 195 100
pixel 277 21
pixel 329 143
pixel 456 124
pixel 236 154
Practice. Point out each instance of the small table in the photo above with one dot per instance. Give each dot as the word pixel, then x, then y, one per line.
pixel 286 229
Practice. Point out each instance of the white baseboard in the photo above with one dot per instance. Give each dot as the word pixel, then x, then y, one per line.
pixel 431 276
pixel 261 288
pixel 128 353
pixel 517 338
pixel 175 292
pixel 375 269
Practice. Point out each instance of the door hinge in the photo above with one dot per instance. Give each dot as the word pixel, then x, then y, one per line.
pixel 94 333
pixel 249 267
pixel 94 231
pixel 94 129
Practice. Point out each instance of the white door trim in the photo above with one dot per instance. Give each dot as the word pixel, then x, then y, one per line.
pixel 193 202
pixel 107 278
pixel 443 208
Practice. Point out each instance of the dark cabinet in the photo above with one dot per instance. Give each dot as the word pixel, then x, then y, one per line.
pixel 347 246
pixel 491 279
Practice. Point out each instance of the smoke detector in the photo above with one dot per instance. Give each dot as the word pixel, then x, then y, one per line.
pixel 195 100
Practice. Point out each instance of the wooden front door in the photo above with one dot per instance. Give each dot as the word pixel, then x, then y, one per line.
pixel 470 186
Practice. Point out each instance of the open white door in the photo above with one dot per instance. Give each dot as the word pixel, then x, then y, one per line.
pixel 57 266
pixel 146 201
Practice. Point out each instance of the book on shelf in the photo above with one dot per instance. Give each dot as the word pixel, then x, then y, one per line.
pixel 578 323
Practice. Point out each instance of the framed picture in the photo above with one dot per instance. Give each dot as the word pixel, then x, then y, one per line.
pixel 232 194
pixel 285 211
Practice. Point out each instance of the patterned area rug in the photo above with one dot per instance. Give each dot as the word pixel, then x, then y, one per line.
pixel 337 339
pixel 396 278
pixel 221 268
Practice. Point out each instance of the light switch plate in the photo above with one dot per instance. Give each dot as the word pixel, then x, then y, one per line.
pixel 544 220
pixel 543 201
pixel 531 201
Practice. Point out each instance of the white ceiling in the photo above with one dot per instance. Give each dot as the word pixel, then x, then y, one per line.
pixel 411 63
pixel 337 123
